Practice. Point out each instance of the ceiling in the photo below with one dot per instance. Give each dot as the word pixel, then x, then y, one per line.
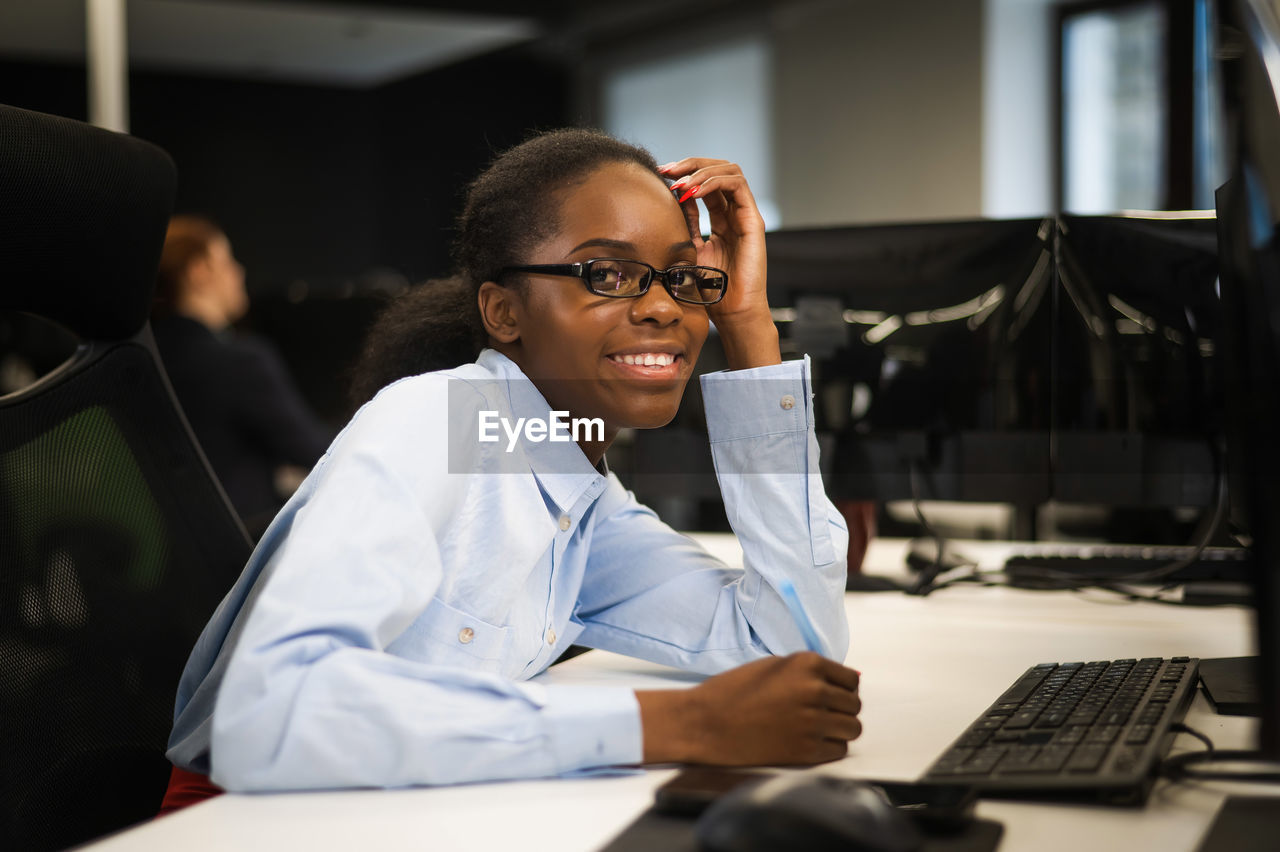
pixel 353 44
pixel 349 43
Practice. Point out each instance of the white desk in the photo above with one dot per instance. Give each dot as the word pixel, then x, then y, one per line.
pixel 929 667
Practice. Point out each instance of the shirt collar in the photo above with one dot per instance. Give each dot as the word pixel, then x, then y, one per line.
pixel 561 468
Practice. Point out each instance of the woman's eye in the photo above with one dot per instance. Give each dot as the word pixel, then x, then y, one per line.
pixel 682 277
pixel 604 275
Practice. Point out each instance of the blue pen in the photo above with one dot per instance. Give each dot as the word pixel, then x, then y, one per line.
pixel 792 599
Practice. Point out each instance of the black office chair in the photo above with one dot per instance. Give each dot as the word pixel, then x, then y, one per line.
pixel 116 542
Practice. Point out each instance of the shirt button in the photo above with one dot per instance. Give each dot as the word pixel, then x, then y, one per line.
pixel 551 636
pixel 565 522
pixel 788 402
pixel 465 635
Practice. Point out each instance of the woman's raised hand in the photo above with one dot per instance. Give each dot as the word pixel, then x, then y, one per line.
pixel 799 709
pixel 736 245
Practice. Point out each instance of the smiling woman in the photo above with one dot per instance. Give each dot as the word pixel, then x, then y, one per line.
pixel 382 633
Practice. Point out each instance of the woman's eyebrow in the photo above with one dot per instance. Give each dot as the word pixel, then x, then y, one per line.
pixel 623 245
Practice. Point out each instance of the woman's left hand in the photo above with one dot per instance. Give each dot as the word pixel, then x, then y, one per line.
pixel 736 245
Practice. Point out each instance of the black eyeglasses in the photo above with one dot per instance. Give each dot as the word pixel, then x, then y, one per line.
pixel 627 279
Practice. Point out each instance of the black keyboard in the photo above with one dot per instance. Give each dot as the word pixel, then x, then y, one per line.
pixel 1110 562
pixel 1074 731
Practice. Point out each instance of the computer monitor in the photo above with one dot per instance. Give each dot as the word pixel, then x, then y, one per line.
pixel 931 354
pixel 1249 232
pixel 1136 397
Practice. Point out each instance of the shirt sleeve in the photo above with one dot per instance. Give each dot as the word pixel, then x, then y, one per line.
pixel 311 699
pixel 653 593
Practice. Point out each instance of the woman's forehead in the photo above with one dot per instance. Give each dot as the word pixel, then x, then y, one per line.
pixel 621 203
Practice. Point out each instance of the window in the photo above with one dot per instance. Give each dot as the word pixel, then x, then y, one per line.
pixel 1138 109
pixel 712 102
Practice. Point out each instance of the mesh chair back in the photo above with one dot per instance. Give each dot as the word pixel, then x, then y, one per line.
pixel 116 542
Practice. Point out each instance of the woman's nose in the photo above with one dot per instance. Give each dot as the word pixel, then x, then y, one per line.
pixel 657 305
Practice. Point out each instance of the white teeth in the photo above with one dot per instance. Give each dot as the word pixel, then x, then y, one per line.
pixel 647 359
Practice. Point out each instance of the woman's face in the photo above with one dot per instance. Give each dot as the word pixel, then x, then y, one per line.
pixel 573 344
pixel 220 278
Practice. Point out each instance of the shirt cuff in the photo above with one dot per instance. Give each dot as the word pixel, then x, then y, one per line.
pixel 593 726
pixel 759 401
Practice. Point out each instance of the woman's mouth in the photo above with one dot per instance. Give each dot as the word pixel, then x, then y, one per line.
pixel 645 359
pixel 651 365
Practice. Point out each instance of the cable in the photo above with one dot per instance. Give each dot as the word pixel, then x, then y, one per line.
pixel 1183 728
pixel 1191 766
pixel 923 584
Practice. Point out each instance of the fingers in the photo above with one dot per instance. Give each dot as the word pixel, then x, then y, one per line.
pixel 721 186
pixel 841 700
pixel 687 166
pixel 829 670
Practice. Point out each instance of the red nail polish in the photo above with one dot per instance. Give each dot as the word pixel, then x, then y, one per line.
pixel 682 199
pixel 675 186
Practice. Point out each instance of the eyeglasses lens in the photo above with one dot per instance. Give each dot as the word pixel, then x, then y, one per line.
pixel 696 284
pixel 617 277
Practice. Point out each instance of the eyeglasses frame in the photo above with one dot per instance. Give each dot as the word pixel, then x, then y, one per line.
pixel 581 270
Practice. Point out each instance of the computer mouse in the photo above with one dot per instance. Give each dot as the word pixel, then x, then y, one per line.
pixel 806 812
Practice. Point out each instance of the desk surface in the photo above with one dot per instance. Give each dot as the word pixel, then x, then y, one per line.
pixel 929 667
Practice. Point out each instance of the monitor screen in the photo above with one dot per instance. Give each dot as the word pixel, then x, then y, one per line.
pixel 1137 403
pixel 1249 228
pixel 930 351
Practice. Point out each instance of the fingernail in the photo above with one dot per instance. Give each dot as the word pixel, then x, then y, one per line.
pixel 666 167
pixel 675 186
pixel 682 199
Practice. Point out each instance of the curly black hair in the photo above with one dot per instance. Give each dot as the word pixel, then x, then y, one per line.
pixel 433 326
pixel 510 208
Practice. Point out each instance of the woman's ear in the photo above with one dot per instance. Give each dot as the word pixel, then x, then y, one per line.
pixel 499 312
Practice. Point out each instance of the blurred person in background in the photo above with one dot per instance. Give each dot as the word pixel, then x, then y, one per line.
pixel 251 421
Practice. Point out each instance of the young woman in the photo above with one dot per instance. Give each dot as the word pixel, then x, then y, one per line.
pixel 384 629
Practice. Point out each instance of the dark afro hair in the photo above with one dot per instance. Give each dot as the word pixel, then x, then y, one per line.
pixel 433 326
pixel 510 207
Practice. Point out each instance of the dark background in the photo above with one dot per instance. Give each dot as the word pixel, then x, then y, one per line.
pixel 331 197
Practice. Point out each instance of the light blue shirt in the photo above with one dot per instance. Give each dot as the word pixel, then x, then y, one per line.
pixel 384 629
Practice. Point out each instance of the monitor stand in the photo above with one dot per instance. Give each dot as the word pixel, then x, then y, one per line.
pixel 1231 684
pixel 1244 824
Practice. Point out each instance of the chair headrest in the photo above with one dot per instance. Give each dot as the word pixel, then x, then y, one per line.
pixel 83 213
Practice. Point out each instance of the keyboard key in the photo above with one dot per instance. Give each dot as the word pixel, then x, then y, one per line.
pixel 1139 734
pixel 1021 719
pixel 984 760
pixel 1086 758
pixel 1018 758
pixel 973 739
pixel 1025 685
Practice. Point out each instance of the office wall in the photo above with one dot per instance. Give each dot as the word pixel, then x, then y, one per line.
pixel 878 111
pixel 1018 56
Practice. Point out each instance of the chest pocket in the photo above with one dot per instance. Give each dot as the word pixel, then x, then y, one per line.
pixel 449 636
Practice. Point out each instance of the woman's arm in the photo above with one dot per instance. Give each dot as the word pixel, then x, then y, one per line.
pixel 351 669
